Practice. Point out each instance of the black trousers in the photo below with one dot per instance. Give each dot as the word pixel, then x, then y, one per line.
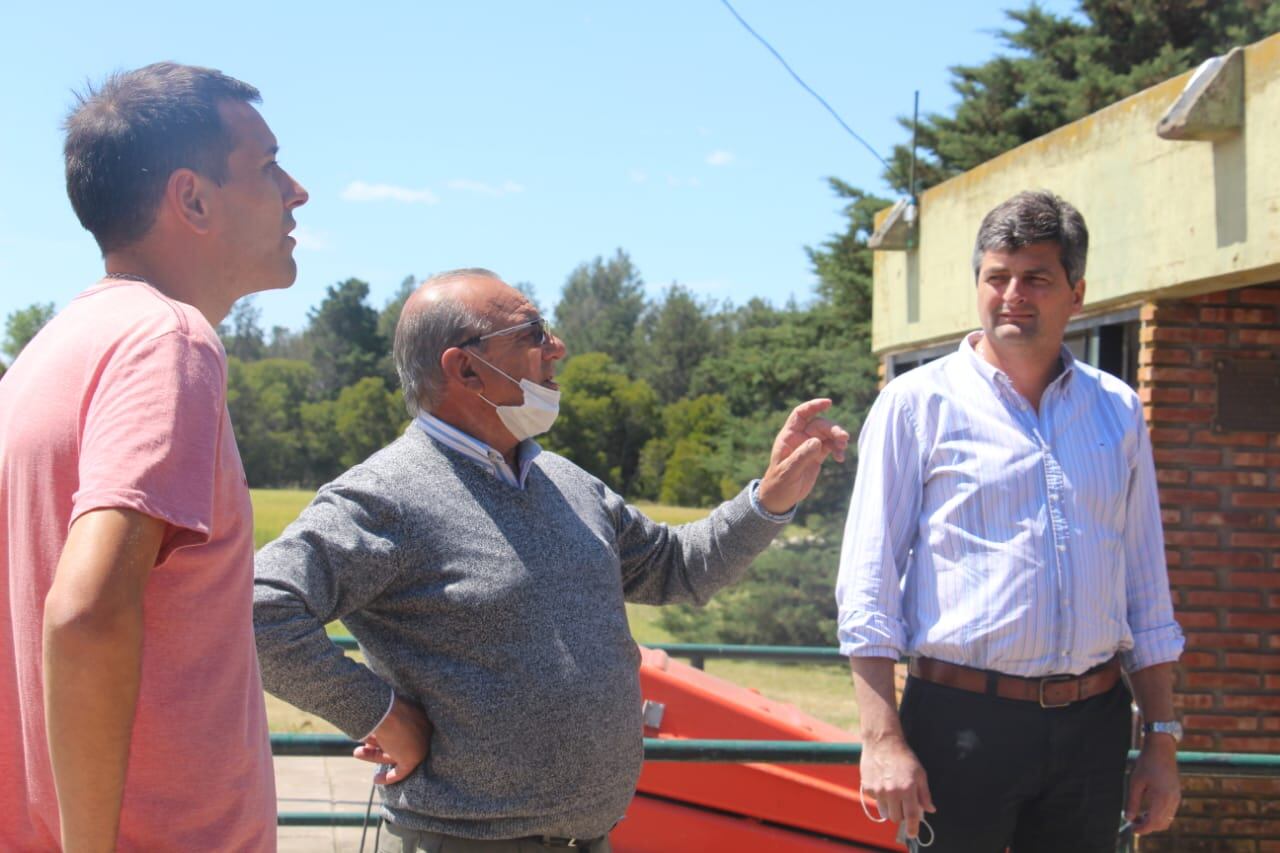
pixel 1008 773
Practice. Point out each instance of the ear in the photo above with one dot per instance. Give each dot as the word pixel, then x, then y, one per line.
pixel 1077 297
pixel 458 369
pixel 187 198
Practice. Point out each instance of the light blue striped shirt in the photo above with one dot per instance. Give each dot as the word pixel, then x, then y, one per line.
pixel 985 534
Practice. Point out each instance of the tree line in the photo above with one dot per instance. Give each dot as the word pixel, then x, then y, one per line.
pixel 677 398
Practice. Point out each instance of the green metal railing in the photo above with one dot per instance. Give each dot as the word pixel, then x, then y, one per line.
pixel 734 751
pixel 698 653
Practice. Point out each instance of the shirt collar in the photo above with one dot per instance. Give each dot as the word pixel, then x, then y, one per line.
pixel 997 377
pixel 480 452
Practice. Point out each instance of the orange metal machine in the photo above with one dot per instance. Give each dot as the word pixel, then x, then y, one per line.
pixel 743 808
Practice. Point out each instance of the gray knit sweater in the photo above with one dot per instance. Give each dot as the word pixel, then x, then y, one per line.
pixel 500 611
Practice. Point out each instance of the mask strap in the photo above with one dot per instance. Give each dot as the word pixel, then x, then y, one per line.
pixel 862 800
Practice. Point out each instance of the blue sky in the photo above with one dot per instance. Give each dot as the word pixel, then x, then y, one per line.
pixel 524 137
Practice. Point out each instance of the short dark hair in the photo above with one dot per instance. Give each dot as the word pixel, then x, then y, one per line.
pixel 1035 216
pixel 125 138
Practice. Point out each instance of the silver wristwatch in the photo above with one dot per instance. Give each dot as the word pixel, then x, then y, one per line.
pixel 1167 727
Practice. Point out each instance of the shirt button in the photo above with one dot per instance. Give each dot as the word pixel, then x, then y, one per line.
pixel 1064 654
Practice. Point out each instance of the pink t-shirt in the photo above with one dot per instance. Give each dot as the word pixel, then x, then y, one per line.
pixel 121 402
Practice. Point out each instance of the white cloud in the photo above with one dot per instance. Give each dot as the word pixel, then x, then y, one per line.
pixel 720 158
pixel 310 239
pixel 469 186
pixel 637 176
pixel 361 191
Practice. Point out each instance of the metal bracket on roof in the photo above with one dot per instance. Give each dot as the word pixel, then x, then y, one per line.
pixel 1211 106
pixel 897 233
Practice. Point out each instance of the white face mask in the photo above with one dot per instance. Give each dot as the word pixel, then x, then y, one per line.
pixel 532 417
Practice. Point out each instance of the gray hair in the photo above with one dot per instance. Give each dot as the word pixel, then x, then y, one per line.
pixel 423 335
pixel 1035 216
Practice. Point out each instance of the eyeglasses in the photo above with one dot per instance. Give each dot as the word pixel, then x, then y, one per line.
pixel 541 332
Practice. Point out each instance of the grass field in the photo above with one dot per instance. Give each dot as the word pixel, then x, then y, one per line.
pixel 822 690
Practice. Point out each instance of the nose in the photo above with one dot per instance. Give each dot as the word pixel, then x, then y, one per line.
pixel 553 349
pixel 1013 293
pixel 296 194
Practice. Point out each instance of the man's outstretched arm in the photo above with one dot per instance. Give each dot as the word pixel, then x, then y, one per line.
pixel 92 667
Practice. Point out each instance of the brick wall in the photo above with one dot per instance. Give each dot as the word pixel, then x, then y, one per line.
pixel 1220 501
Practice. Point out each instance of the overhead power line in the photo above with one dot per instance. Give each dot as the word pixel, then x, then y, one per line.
pixel 805 85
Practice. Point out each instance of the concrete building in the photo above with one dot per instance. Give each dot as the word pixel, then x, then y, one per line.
pixel 1183 302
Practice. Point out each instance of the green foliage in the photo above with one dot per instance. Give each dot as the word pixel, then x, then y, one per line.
pixel 605 419
pixel 343 336
pixel 1059 69
pixel 241 333
pixel 22 325
pixel 786 599
pixel 265 399
pixel 600 306
pixel 672 339
pixel 367 417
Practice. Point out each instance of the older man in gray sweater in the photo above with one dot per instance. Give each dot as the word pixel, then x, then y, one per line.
pixel 485 581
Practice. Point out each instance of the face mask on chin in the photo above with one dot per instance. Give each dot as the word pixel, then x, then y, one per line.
pixel 532 417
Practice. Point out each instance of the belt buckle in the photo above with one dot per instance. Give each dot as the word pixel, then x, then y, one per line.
pixel 1054 679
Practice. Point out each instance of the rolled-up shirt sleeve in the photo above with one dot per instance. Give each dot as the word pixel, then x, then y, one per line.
pixel 1157 637
pixel 879 532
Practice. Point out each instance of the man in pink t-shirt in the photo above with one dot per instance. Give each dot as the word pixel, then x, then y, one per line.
pixel 129 684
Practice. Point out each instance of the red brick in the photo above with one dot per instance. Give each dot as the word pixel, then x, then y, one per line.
pixel 1230 478
pixel 1223 599
pixel 1194 538
pixel 1248 827
pixel 1255 540
pixel 1220 722
pixel 1263 580
pixel 1229 519
pixel 1168 312
pixel 1248 459
pixel 1170 516
pixel 1259 295
pixel 1266 785
pixel 1259 499
pixel 1273 600
pixel 1234 559
pixel 1173 558
pixel 1206 396
pixel 1198 660
pixel 1261 337
pixel 1176 375
pixel 1198 701
pixel 1192 578
pixel 1172 476
pixel 1241 680
pixel 1164 394
pixel 1220 640
pixel 1190 496
pixel 1174 356
pixel 1215 806
pixel 1197 619
pixel 1184 335
pixel 1173 456
pixel 1251 703
pixel 1181 415
pixel 1238 316
pixel 1200 741
pixel 1233 439
pixel 1268 663
pixel 1263 620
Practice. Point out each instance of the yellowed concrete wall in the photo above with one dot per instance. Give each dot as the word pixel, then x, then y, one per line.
pixel 1165 218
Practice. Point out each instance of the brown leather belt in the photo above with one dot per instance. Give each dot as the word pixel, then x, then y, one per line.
pixel 1053 691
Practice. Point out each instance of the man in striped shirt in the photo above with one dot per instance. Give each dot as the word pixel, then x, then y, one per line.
pixel 1004 534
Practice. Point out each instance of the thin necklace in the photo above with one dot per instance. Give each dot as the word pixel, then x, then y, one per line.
pixel 126 276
